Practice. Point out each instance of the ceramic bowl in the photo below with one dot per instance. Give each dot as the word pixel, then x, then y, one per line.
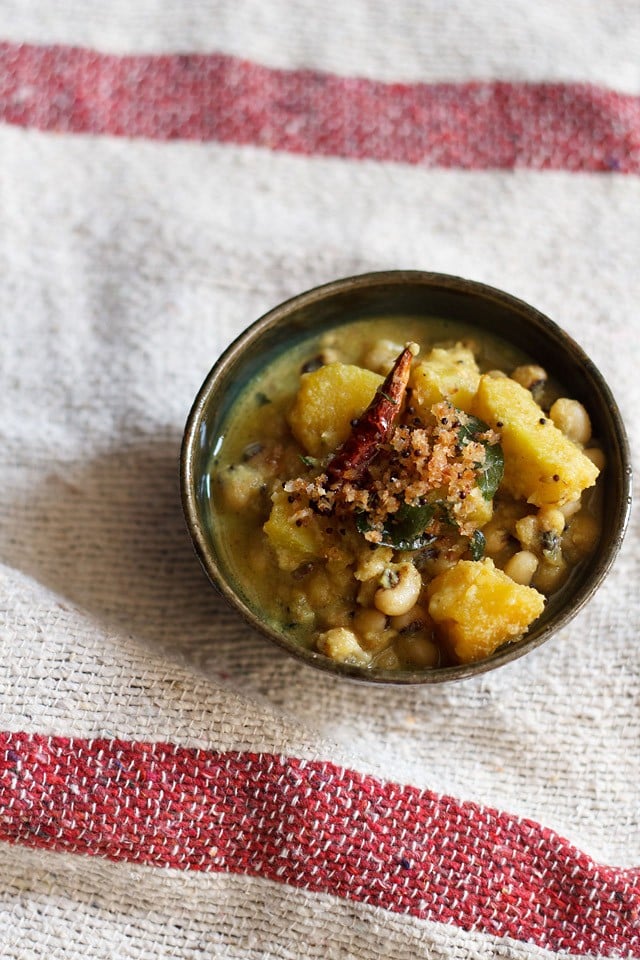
pixel 412 293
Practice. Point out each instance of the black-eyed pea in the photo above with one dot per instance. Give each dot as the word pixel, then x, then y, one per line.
pixel 530 376
pixel 572 418
pixel 496 538
pixel 318 589
pixel 381 356
pixel 416 618
pixel 597 457
pixel 371 627
pixel 581 537
pixel 368 621
pixel 342 645
pixel 528 532
pixel 521 567
pixel 375 644
pixel 372 563
pixel 551 519
pixel 240 486
pixel 402 593
pixel 438 564
pixel 550 576
pixel 329 352
pixel 387 659
pixel 496 374
pixel 417 650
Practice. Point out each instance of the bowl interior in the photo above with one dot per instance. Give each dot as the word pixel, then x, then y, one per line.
pixel 412 294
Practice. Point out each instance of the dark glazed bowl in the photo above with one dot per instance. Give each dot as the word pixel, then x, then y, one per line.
pixel 414 293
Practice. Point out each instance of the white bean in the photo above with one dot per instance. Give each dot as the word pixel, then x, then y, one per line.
pixel 371 563
pixel 403 595
pixel 529 375
pixel 318 589
pixel 367 622
pixel 551 518
pixel 240 485
pixel 342 644
pixel 550 576
pixel 381 356
pixel 387 660
pixel 572 418
pixel 581 537
pixel 371 628
pixel 417 650
pixel 417 615
pixel 496 539
pixel 521 567
pixel 528 532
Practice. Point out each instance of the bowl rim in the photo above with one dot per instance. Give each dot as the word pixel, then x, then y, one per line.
pixel 204 546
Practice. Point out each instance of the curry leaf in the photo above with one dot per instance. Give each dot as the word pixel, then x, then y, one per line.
pixel 405 530
pixel 362 522
pixel 477 545
pixel 491 471
pixel 469 430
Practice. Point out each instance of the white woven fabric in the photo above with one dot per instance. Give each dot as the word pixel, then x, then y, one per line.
pixel 114 910
pixel 126 268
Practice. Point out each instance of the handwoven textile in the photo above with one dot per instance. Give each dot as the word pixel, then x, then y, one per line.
pixel 171 784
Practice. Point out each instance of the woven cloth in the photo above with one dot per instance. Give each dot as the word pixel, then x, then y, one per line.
pixel 171 785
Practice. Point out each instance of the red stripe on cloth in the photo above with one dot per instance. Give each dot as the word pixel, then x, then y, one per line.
pixel 473 126
pixel 316 826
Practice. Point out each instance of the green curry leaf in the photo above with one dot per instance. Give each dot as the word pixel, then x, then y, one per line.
pixel 491 471
pixel 405 529
pixel 477 545
pixel 469 430
pixel 362 523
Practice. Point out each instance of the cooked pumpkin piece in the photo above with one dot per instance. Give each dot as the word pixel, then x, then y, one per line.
pixel 476 608
pixel 445 374
pixel 541 464
pixel 327 400
pixel 293 543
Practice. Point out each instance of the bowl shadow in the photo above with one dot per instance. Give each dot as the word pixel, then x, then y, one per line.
pixel 108 535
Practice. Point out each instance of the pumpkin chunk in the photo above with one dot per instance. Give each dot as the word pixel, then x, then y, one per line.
pixel 293 543
pixel 541 464
pixel 327 401
pixel 477 607
pixel 445 374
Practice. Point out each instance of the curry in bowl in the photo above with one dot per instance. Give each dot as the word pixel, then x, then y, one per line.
pixel 403 492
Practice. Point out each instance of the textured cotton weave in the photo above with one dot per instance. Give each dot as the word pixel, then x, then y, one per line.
pixel 171 785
